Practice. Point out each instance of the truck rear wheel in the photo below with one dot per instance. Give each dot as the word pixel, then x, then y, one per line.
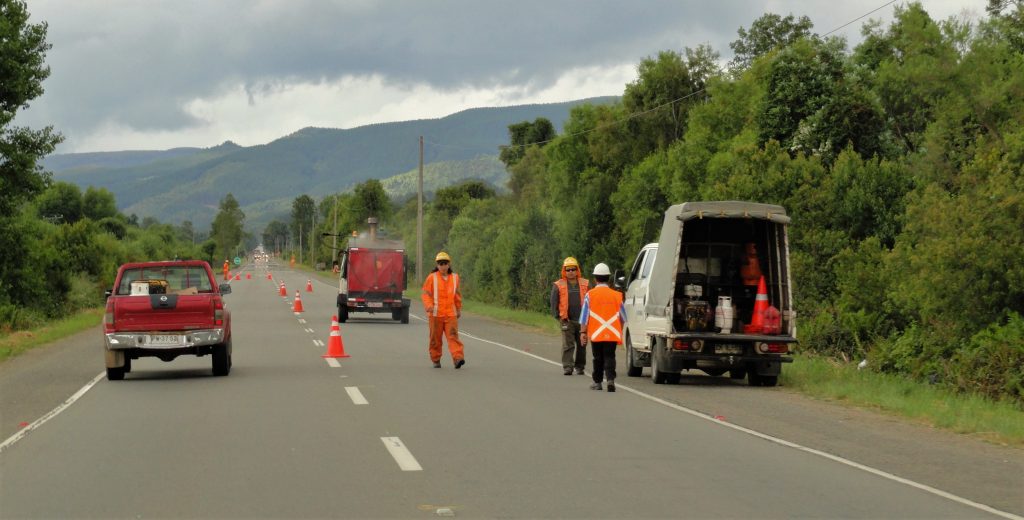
pixel 405 315
pixel 657 375
pixel 222 359
pixel 633 369
pixel 115 374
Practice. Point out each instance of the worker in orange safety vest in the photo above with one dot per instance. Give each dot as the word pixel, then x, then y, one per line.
pixel 442 299
pixel 566 301
pixel 601 319
pixel 227 269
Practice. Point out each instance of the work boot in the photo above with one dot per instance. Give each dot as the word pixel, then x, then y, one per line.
pixel 568 371
pixel 459 363
pixel 611 385
pixel 579 372
pixel 437 364
pixel 595 386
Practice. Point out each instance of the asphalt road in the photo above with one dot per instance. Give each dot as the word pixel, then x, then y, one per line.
pixel 382 434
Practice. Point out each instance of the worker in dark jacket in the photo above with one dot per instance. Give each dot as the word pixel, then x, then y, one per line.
pixel 567 296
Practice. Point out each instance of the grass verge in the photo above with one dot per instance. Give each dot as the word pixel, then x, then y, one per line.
pixel 823 378
pixel 15 343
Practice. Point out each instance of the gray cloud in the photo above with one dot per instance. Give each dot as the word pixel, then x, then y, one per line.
pixel 136 63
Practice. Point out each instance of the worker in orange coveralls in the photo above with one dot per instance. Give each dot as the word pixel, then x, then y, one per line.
pixel 227 268
pixel 442 300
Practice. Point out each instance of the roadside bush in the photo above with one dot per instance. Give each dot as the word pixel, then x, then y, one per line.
pixel 991 363
pixel 84 293
pixel 823 333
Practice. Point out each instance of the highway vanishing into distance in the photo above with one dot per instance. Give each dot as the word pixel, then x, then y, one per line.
pixel 382 434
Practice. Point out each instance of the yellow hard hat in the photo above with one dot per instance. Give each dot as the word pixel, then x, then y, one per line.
pixel 570 261
pixel 442 256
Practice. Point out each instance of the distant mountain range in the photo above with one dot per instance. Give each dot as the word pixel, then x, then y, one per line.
pixel 188 183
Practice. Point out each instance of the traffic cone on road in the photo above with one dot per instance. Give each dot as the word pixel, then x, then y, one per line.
pixel 335 347
pixel 248 276
pixel 309 285
pixel 268 276
pixel 297 305
pixel 282 291
pixel 760 306
pixel 238 277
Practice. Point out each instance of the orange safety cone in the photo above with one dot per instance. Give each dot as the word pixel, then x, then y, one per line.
pixel 309 285
pixel 282 291
pixel 268 276
pixel 248 276
pixel 238 277
pixel 297 304
pixel 335 347
pixel 760 306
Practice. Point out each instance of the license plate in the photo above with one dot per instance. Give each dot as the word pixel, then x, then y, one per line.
pixel 374 304
pixel 164 339
pixel 728 349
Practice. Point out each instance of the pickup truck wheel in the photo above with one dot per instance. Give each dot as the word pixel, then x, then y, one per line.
pixel 127 364
pixel 115 374
pixel 769 380
pixel 405 315
pixel 632 367
pixel 753 378
pixel 657 376
pixel 222 359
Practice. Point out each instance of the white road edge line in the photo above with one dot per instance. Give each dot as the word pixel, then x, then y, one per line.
pixel 356 395
pixel 334 363
pixel 401 454
pixel 776 440
pixel 51 414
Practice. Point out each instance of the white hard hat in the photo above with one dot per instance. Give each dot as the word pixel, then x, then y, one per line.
pixel 602 270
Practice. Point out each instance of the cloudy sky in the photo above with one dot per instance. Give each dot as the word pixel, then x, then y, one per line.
pixel 158 74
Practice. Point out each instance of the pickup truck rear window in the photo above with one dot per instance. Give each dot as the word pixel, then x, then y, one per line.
pixel 169 279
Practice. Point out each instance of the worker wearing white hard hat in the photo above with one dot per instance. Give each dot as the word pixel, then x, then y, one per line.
pixel 601 321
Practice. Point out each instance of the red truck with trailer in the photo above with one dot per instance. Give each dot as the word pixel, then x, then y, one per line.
pixel 165 310
pixel 372 277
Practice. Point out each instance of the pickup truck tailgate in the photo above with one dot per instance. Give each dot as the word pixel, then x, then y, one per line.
pixel 157 312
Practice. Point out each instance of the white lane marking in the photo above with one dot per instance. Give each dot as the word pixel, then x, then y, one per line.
pixel 776 440
pixel 401 454
pixel 334 363
pixel 301 320
pixel 318 343
pixel 51 414
pixel 355 394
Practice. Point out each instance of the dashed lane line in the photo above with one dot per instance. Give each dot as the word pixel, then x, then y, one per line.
pixel 334 363
pixel 401 454
pixel 355 395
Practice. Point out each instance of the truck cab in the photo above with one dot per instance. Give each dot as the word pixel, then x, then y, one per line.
pixel 694 299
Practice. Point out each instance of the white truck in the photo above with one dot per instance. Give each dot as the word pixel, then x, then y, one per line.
pixel 705 269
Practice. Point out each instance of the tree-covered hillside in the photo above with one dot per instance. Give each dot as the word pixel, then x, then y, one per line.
pixel 318 161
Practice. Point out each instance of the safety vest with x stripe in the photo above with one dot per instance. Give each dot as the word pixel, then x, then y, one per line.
pixel 602 312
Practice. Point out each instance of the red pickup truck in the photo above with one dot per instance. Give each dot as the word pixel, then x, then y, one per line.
pixel 165 310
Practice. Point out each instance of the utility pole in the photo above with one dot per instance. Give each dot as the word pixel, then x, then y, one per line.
pixel 334 243
pixel 312 241
pixel 300 242
pixel 419 220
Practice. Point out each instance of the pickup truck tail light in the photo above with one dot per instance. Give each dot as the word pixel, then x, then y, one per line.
pixel 218 311
pixel 694 345
pixel 108 317
pixel 772 348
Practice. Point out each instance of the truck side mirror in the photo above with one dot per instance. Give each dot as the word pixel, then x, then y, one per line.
pixel 619 280
pixel 108 292
pixel 225 288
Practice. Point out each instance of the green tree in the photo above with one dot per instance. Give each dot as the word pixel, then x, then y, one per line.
pixel 371 201
pixel 522 135
pixel 767 33
pixel 98 203
pixel 23 47
pixel 61 202
pixel 303 213
pixel 226 229
pixel 275 235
